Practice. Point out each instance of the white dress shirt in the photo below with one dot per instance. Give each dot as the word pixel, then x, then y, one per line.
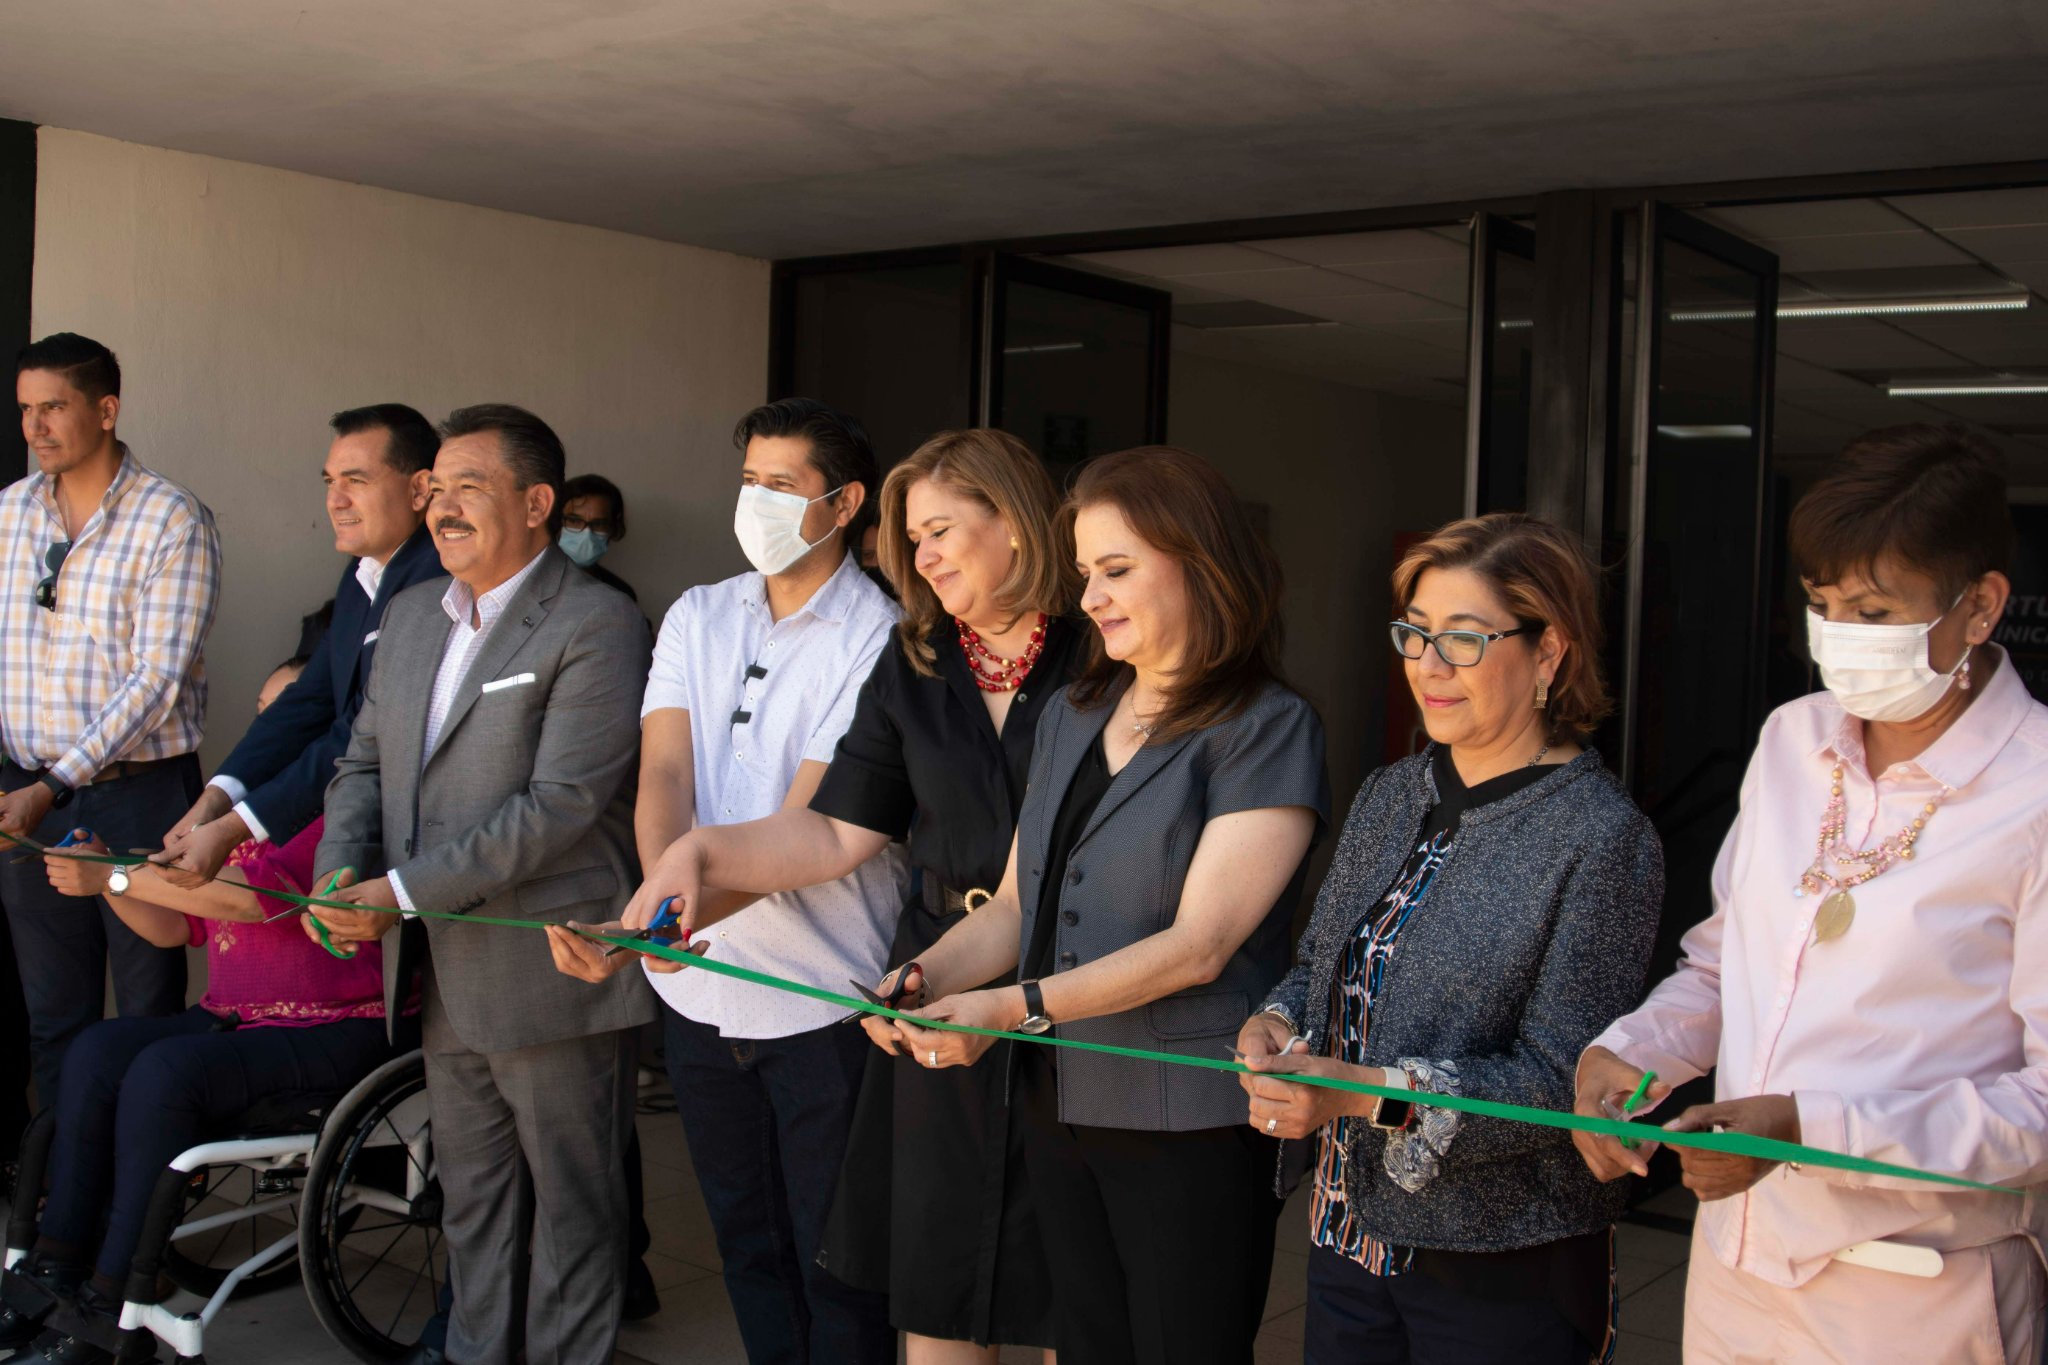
pixel 369 577
pixel 1920 1036
pixel 465 641
pixel 763 696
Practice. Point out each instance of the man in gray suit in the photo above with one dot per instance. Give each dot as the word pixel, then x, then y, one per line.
pixel 491 770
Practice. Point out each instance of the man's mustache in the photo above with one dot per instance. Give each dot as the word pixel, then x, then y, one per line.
pixel 453 524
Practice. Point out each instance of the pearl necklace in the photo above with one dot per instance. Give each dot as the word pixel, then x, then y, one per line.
pixel 1838 911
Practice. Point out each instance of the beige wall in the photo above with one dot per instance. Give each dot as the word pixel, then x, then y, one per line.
pixel 1342 471
pixel 248 304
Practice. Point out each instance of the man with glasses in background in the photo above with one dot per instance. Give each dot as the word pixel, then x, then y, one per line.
pixel 109 575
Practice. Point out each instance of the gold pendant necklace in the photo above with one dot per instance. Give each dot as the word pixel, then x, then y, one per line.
pixel 1838 911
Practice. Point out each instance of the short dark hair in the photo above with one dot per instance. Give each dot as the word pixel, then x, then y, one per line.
pixel 413 439
pixel 598 486
pixel 85 364
pixel 530 446
pixel 839 447
pixel 1931 498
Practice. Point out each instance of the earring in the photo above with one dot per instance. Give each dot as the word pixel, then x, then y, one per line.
pixel 1542 693
pixel 1014 545
pixel 1963 676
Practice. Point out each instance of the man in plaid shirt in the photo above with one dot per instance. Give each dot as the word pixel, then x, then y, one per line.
pixel 108 579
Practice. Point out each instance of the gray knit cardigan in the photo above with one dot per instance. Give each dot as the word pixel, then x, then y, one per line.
pixel 1535 935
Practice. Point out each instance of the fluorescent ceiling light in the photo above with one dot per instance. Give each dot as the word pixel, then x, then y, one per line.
pixel 1963 388
pixel 1041 349
pixel 2003 302
pixel 1695 431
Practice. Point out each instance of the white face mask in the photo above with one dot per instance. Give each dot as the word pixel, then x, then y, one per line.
pixel 1879 672
pixel 770 527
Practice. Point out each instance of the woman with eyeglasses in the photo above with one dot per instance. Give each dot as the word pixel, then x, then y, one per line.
pixel 1874 977
pixel 1492 904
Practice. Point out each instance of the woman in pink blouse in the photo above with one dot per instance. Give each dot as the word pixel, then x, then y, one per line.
pixel 1874 977
pixel 280 1019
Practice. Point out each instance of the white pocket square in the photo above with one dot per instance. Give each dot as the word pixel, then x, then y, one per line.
pixel 371 638
pixel 517 680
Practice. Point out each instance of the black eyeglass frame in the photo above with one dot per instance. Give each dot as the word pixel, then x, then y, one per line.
pixel 1399 630
pixel 53 560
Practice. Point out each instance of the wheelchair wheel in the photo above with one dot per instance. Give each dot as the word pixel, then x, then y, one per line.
pixel 200 1262
pixel 370 1219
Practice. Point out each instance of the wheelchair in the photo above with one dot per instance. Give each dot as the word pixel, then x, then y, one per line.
pixel 346 1203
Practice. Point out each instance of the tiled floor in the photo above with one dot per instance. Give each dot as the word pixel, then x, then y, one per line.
pixel 695 1324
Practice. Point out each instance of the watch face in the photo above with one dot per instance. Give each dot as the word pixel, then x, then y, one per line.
pixel 1393 1115
pixel 1035 1025
pixel 117 881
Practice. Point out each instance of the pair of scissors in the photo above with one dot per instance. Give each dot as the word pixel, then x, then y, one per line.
pixel 665 918
pixel 894 997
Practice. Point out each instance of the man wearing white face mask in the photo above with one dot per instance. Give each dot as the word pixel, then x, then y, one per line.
pixel 754 680
pixel 1874 977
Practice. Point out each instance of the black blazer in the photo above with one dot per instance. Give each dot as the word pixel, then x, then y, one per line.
pixel 287 757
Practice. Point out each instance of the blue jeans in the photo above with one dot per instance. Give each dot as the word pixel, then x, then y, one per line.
pixel 766 1120
pixel 136 1092
pixel 64 945
pixel 1358 1318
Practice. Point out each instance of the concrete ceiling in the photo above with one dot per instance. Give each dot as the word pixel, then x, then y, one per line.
pixel 789 127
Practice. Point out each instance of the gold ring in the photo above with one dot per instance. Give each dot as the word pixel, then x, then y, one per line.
pixel 1271 1124
pixel 970 904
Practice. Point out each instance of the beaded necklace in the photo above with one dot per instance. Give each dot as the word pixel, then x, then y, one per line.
pixel 1838 911
pixel 992 673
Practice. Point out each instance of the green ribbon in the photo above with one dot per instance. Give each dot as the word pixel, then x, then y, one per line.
pixel 1733 1144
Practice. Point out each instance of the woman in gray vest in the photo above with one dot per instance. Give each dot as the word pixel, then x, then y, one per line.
pixel 1492 904
pixel 1176 787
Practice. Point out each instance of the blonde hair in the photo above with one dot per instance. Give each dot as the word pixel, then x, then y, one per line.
pixel 1006 478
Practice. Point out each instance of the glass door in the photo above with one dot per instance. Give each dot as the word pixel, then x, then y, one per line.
pixel 1072 363
pixel 1500 366
pixel 1694 468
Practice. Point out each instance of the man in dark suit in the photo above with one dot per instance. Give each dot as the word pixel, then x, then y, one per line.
pixel 271 786
pixel 491 771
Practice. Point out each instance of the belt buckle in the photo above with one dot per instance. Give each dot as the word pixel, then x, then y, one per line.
pixel 968 902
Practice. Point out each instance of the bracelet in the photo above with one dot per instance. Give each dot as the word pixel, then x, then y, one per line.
pixel 1284 1017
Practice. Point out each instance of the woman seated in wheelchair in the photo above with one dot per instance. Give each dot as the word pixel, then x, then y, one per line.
pixel 281 1020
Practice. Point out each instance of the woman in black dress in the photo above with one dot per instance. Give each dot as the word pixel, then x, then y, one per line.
pixel 938 753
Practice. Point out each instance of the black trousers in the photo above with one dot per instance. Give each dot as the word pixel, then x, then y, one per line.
pixel 1358 1318
pixel 1161 1244
pixel 63 946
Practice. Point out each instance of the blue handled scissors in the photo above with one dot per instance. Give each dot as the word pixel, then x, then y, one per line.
pixel 665 918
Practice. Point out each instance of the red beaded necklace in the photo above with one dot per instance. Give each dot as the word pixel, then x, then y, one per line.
pixel 994 674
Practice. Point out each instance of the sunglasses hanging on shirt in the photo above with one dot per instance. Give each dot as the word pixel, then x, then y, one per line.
pixel 53 560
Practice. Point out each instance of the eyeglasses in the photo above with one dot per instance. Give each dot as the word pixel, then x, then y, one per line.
pixel 53 560
pixel 601 525
pixel 1458 648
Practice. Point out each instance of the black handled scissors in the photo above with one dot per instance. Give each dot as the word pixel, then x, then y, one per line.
pixel 664 920
pixel 894 997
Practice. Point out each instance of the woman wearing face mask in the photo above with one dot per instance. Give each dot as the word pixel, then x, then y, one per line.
pixel 1874 977
pixel 1175 790
pixel 937 753
pixel 1491 906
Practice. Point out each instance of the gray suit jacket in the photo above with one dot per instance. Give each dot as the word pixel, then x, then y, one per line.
pixel 1123 883
pixel 524 809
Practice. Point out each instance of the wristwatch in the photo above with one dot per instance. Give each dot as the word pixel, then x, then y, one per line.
pixel 60 795
pixel 118 881
pixel 1035 1018
pixel 1390 1115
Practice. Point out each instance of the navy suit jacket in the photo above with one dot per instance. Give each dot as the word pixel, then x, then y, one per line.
pixel 287 758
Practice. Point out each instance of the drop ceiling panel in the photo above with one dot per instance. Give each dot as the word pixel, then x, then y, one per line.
pixel 1855 344
pixel 1977 208
pixel 1796 376
pixel 1295 285
pixel 1773 223
pixel 1372 248
pixel 1370 310
pixel 1866 251
pixel 2001 244
pixel 1989 339
pixel 1447 281
pixel 1171 261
